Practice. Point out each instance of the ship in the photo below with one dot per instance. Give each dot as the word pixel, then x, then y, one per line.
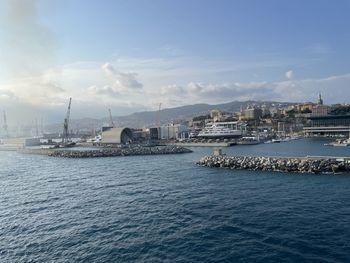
pixel 221 130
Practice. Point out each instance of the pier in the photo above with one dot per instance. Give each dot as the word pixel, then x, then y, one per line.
pixel 308 164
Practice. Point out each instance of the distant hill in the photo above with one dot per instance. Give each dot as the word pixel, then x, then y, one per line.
pixel 149 118
pixel 146 118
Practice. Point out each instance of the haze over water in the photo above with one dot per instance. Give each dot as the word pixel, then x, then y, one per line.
pixel 166 209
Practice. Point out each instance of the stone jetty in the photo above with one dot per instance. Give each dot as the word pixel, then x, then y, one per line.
pixel 122 151
pixel 313 165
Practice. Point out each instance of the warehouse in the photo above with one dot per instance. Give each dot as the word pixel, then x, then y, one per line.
pixel 116 136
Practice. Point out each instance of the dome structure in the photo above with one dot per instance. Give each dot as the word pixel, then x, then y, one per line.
pixel 116 136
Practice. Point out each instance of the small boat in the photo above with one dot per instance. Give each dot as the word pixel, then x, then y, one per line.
pixel 273 141
pixel 340 142
pixel 276 140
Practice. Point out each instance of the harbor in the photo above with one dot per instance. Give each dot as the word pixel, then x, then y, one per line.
pixel 174 131
pixel 132 192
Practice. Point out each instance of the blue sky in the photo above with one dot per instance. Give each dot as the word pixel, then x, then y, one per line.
pixel 131 55
pixel 229 30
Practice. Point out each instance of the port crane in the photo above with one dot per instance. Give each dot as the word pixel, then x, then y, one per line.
pixel 158 115
pixel 36 128
pixel 5 125
pixel 65 136
pixel 111 123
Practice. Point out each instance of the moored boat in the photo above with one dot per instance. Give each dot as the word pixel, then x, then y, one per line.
pixel 340 142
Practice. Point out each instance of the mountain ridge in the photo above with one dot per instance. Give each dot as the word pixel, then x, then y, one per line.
pixel 148 118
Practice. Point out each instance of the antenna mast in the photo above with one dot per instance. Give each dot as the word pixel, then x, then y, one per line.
pixel 65 124
pixel 158 117
pixel 111 123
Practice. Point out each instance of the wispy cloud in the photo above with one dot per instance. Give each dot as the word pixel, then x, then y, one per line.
pixel 137 84
pixel 121 81
pixel 319 49
pixel 288 90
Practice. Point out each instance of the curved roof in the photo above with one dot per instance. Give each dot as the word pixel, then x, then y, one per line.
pixel 116 135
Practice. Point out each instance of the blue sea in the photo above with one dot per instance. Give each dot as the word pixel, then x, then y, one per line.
pixel 167 209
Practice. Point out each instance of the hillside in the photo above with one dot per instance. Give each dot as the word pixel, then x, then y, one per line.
pixel 149 118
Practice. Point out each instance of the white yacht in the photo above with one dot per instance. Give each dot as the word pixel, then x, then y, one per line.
pixel 340 142
pixel 97 138
pixel 221 130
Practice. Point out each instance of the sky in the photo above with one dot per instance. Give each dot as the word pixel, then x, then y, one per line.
pixel 132 55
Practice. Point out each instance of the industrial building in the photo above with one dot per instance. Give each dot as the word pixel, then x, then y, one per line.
pixel 174 131
pixel 154 133
pixel 21 142
pixel 116 136
pixel 328 120
pixel 328 125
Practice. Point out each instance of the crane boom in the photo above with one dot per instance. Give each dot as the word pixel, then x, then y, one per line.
pixel 65 124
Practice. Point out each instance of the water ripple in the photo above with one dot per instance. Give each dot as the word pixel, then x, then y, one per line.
pixel 165 209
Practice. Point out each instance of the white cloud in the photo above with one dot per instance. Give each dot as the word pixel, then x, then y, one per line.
pixel 195 87
pixel 333 88
pixel 33 91
pixel 109 69
pixel 216 93
pixel 6 95
pixel 289 74
pixel 129 86
pixel 104 91
pixel 121 82
pixel 172 90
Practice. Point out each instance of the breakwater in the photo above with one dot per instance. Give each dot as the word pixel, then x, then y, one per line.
pixel 313 165
pixel 111 152
pixel 204 144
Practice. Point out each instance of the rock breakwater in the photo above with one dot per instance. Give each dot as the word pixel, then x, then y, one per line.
pixel 279 164
pixel 111 152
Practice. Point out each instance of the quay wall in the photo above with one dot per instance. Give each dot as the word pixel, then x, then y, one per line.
pixel 306 164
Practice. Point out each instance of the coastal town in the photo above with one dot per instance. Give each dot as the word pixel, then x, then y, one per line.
pixel 256 123
pixel 148 131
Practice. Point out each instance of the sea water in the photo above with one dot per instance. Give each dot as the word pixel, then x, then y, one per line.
pixel 166 209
